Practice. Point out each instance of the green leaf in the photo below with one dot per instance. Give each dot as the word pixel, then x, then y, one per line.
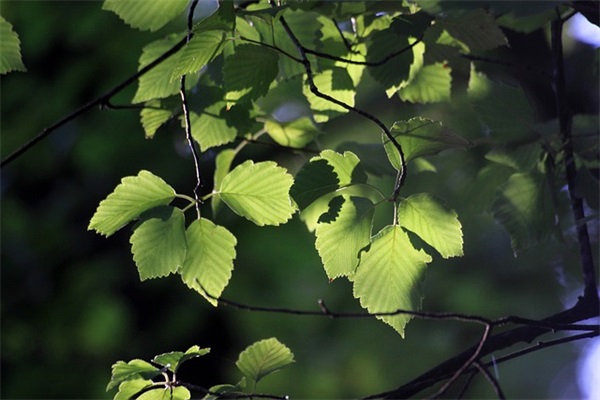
pixel 158 242
pixel 435 223
pixel 340 241
pixel 210 129
pixel 372 156
pixel 395 72
pixel 209 261
pixel 389 276
pixel 133 196
pixel 297 133
pixel 259 192
pixel 524 208
pixel 169 393
pixel 222 168
pixel 263 358
pixel 430 85
pixel 173 360
pixel 201 49
pixel 336 83
pixel 477 30
pixel 523 158
pixel 346 166
pixel 503 109
pixel 420 137
pixel 315 179
pixel 147 15
pixel 249 71
pixel 10 49
pixel 135 369
pixel 153 118
pixel 128 389
pixel 157 83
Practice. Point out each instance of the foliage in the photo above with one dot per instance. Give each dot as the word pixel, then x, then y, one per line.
pixel 283 73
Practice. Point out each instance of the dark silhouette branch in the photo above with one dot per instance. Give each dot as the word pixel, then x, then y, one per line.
pixel 186 118
pixel 491 379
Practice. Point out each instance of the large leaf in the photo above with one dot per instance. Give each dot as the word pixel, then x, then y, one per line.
pixel 395 72
pixel 133 196
pixel 158 242
pixel 389 276
pixel 209 261
pixel 430 85
pixel 10 49
pixel 249 71
pixel 157 83
pixel 173 360
pixel 146 15
pixel 259 192
pixel 130 388
pixel 435 223
pixel 210 129
pixel 263 358
pixel 420 137
pixel 477 30
pixel 335 83
pixel 340 241
pixel 135 369
pixel 503 109
pixel 201 49
pixel 524 208
pixel 297 133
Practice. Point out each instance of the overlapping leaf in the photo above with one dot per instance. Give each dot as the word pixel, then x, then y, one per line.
pixel 173 360
pixel 135 369
pixel 339 241
pixel 152 118
pixel 435 223
pixel 336 83
pixel 201 49
pixel 297 133
pixel 209 129
pixel 420 137
pixel 158 242
pixel 10 49
pixel 389 276
pixel 395 72
pixel 477 29
pixel 168 393
pixel 222 168
pixel 259 192
pixel 130 388
pixel 263 358
pixel 133 196
pixel 147 15
pixel 249 71
pixel 431 84
pixel 209 260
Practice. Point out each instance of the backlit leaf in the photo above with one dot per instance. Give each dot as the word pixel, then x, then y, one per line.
pixel 222 168
pixel 158 242
pixel 128 389
pixel 173 360
pixel 297 133
pixel 249 71
pixel 202 48
pixel 169 393
pixel 395 72
pixel 146 15
pixel 335 83
pixel 134 369
pixel 209 260
pixel 152 118
pixel 133 196
pixel 210 128
pixel 435 223
pixel 430 85
pixel 259 192
pixel 389 276
pixel 340 241
pixel 263 358
pixel 10 49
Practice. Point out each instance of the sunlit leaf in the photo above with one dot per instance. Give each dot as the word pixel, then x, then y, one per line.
pixel 389 276
pixel 346 166
pixel 433 222
pixel 523 158
pixel 222 167
pixel 134 369
pixel 297 133
pixel 209 260
pixel 420 137
pixel 335 83
pixel 147 15
pixel 173 360
pixel 153 118
pixel 10 49
pixel 249 71
pixel 340 240
pixel 129 388
pixel 524 208
pixel 430 85
pixel 133 196
pixel 263 358
pixel 202 48
pixel 158 242
pixel 169 393
pixel 210 128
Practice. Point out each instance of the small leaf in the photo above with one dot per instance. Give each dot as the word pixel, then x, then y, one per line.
pixel 259 192
pixel 297 133
pixel 435 223
pixel 210 129
pixel 148 15
pixel 420 137
pixel 389 276
pixel 128 389
pixel 10 49
pixel 209 261
pixel 340 241
pixel 263 358
pixel 430 85
pixel 158 242
pixel 174 359
pixel 133 196
pixel 153 118
pixel 169 393
pixel 524 208
pixel 249 71
pixel 135 369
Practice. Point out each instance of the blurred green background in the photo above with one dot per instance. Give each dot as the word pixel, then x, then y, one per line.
pixel 72 303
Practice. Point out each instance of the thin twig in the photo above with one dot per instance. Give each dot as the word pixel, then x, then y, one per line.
pixel 92 104
pixel 186 117
pixel 491 379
